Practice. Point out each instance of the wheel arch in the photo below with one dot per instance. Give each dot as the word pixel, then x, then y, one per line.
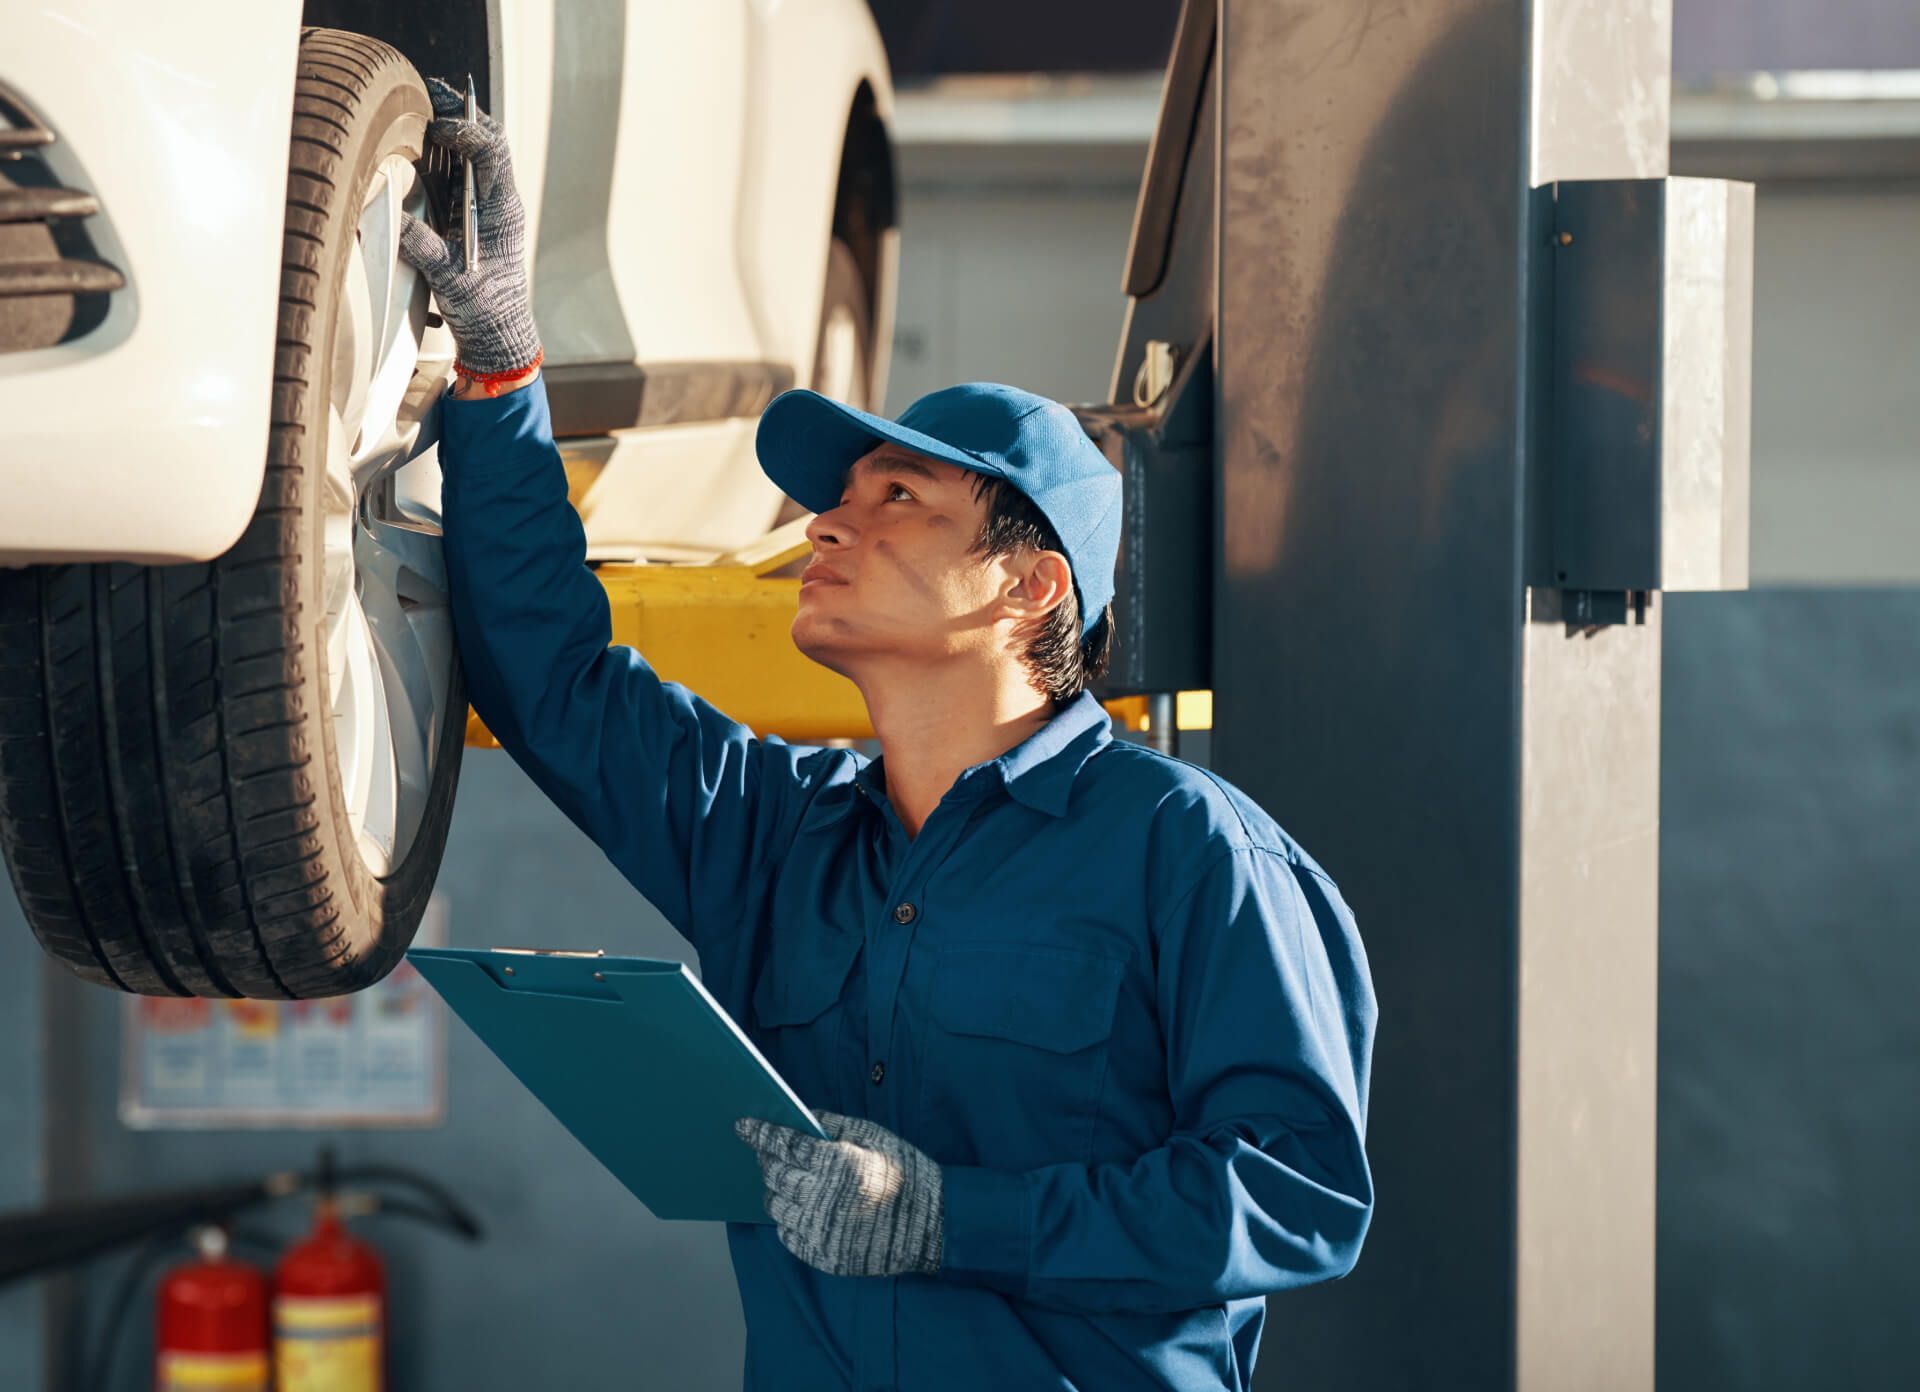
pixel 446 38
pixel 866 216
pixel 817 74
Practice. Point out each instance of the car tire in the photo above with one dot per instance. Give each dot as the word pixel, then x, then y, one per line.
pixel 174 811
pixel 843 350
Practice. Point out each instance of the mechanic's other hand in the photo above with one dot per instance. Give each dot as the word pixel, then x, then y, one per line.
pixel 488 306
pixel 862 1203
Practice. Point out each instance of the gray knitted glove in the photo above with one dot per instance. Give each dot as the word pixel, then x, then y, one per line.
pixel 488 307
pixel 864 1203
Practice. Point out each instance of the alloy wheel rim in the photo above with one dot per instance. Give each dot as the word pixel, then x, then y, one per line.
pixel 388 627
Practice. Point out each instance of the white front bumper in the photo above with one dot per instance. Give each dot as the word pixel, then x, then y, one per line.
pixel 146 439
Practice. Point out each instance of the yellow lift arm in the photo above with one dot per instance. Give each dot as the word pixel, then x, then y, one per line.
pixel 722 629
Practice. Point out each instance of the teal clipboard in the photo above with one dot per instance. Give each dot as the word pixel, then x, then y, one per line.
pixel 637 1060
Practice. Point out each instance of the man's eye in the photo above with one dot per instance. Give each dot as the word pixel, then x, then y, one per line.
pixel 899 488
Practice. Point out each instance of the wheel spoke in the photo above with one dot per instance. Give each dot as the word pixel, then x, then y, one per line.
pixel 386 437
pixel 412 699
pixel 403 559
pixel 337 481
pixel 404 579
pixel 406 560
pixel 353 350
pixel 408 379
pixel 339 638
pixel 336 562
pixel 417 481
pixel 381 815
pixel 378 238
pixel 355 708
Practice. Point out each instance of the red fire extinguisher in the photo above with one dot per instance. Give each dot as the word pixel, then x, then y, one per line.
pixel 329 1309
pixel 210 1328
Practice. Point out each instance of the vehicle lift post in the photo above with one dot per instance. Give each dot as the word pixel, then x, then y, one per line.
pixel 1471 377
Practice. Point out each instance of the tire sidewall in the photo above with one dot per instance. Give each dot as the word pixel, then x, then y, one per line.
pixel 382 912
pixel 844 289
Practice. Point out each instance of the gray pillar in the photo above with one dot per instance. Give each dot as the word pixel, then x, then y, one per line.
pixel 1480 777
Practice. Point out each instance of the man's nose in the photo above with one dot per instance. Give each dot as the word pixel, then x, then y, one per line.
pixel 832 528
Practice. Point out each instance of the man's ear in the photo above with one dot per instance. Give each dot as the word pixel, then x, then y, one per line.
pixel 1042 582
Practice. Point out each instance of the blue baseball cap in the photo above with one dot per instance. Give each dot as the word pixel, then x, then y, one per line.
pixel 807 442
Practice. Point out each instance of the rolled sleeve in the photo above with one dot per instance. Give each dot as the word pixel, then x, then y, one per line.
pixel 988 1234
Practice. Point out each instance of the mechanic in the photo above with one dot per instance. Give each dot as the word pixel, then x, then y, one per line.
pixel 1097 1031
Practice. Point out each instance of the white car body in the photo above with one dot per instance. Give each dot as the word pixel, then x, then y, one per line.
pixel 679 163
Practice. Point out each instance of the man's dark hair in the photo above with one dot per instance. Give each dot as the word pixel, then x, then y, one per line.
pixel 1060 662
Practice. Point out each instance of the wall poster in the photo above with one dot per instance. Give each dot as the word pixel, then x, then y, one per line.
pixel 374 1058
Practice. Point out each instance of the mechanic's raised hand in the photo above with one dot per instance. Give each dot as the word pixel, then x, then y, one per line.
pixel 488 306
pixel 864 1203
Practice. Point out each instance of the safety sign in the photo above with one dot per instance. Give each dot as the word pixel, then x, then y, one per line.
pixel 374 1058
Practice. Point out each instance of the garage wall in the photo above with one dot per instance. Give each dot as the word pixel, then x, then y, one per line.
pixel 1836 390
pixel 1789 964
pixel 1014 280
pixel 22 1124
pixel 1789 911
pixel 1712 37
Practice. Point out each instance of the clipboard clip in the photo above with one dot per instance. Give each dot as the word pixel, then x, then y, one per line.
pixel 553 951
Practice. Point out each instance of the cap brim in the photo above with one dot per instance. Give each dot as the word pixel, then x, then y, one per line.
pixel 807 442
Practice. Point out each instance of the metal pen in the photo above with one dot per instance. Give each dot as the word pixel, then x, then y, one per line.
pixel 469 234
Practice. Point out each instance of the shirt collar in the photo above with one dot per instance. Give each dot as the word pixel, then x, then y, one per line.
pixel 1038 772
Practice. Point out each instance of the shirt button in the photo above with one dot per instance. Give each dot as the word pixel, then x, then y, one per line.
pixel 904 913
pixel 879 1072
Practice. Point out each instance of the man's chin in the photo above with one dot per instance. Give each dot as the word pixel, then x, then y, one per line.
pixel 820 648
pixel 849 648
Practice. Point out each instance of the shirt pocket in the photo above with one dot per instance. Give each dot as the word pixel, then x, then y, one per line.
pixel 800 1008
pixel 1017 1052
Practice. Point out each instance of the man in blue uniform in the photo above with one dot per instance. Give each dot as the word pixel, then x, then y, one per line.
pixel 1089 1033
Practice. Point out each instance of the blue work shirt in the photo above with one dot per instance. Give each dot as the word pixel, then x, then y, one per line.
pixel 1127 1015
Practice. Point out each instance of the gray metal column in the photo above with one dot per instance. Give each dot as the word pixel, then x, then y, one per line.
pixel 1397 679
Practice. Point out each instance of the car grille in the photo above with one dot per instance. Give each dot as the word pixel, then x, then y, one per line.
pixel 54 287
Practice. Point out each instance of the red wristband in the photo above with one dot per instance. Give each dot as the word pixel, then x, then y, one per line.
pixel 492 382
